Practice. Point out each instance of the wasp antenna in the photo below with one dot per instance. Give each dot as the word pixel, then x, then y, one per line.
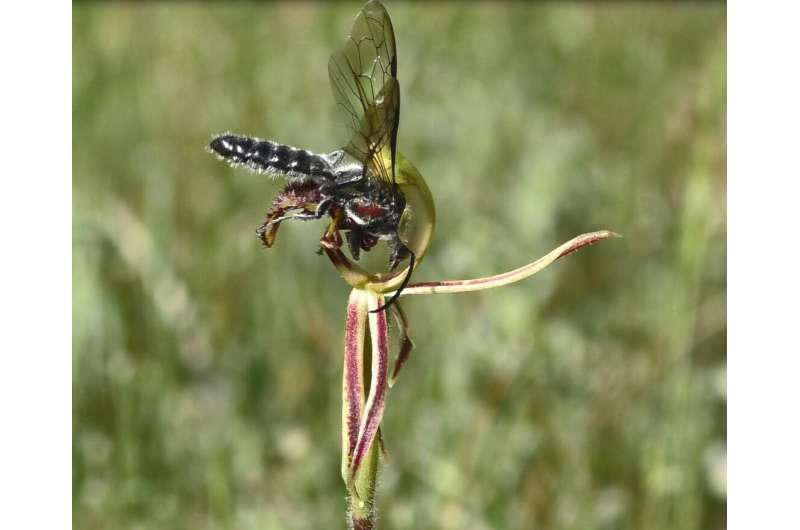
pixel 403 285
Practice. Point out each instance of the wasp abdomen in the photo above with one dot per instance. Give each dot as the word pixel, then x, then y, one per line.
pixel 271 157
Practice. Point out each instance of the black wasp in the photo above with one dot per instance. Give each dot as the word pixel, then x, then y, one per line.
pixel 355 186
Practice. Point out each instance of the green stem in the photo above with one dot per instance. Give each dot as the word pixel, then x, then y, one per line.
pixel 361 510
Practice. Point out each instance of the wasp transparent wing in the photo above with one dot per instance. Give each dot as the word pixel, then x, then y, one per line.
pixel 364 81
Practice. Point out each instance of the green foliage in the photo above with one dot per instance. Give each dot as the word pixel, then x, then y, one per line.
pixel 207 371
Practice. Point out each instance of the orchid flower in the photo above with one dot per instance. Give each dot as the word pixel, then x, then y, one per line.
pixel 366 376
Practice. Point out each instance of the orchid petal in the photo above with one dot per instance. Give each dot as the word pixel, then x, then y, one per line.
pixel 406 344
pixel 499 280
pixel 353 376
pixel 376 401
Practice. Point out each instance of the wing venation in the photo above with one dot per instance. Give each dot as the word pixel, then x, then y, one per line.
pixel 363 77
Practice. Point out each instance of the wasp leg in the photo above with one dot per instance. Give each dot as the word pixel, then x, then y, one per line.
pixel 331 238
pixel 332 246
pixel 406 344
pixel 324 206
pixel 331 241
pixel 266 232
pixel 399 252
pixel 354 243
pixel 302 216
pixel 403 285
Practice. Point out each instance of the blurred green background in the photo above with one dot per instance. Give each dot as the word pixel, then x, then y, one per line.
pixel 207 370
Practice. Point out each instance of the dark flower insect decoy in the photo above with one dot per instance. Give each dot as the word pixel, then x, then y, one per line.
pixel 371 193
